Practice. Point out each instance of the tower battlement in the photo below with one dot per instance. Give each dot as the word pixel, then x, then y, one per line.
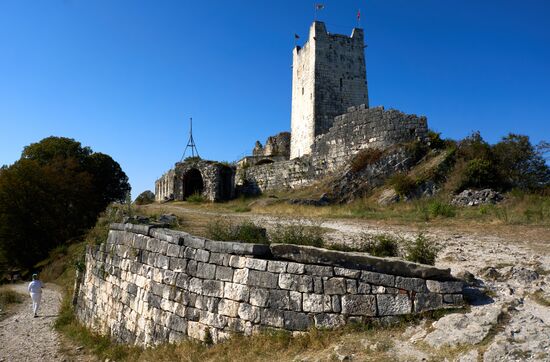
pixel 328 76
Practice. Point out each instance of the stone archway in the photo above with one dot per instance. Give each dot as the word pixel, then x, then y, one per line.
pixel 192 183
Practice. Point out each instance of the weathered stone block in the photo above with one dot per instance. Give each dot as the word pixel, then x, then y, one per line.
pixel 202 255
pixel 276 266
pixel 178 264
pixel 189 253
pixel 335 286
pixel 228 308
pixel 348 273
pixel 197 330
pixel 212 319
pixel 393 304
pixel 295 321
pixel 295 268
pixel 192 268
pixel 212 288
pixel 336 304
pixel 279 299
pixel 317 285
pixel 237 261
pixel 300 283
pixel 249 312
pixel 444 287
pixel 456 299
pixel 195 285
pixel 162 261
pixel 224 273
pixel 413 284
pixel 329 320
pixel 177 323
pixel 194 242
pixel 236 292
pixel 206 271
pixel 378 278
pixel 427 301
pixel 240 276
pixel 319 271
pixel 364 305
pixel 173 250
pixel 259 297
pixel 272 318
pixel 256 264
pixel 317 303
pixel 262 279
pixel 364 288
pixel 182 281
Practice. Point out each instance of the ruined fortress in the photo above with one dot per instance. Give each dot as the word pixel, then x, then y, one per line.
pixel 147 285
pixel 331 121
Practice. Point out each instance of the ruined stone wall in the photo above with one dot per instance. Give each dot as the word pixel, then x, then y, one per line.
pixel 358 129
pixel 146 286
pixel 164 186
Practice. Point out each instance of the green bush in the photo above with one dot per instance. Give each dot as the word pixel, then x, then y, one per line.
pixel 440 208
pixel 402 184
pixel 297 233
pixel 364 158
pixel 383 245
pixel 226 230
pixel 435 140
pixel 422 250
pixel 417 150
pixel 479 173
pixel 145 198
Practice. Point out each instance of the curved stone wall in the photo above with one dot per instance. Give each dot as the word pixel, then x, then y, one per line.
pixel 146 285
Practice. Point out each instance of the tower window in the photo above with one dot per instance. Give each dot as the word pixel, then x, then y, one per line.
pixel 302 90
pixel 340 84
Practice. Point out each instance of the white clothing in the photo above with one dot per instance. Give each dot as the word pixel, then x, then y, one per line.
pixel 35 286
pixel 36 299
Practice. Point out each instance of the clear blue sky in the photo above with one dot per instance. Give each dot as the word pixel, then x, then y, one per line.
pixel 123 77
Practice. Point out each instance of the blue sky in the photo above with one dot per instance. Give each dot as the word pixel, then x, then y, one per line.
pixel 123 77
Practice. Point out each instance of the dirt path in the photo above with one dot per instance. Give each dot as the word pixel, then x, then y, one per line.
pixel 24 338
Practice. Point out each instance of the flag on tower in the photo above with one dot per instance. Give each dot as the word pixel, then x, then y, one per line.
pixel 358 14
pixel 319 6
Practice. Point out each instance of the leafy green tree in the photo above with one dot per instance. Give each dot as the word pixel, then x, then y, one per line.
pixel 52 195
pixel 520 164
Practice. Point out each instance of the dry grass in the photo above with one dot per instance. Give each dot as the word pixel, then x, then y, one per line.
pixel 9 299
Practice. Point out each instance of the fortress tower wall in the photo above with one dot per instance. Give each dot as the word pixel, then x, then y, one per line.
pixel 328 76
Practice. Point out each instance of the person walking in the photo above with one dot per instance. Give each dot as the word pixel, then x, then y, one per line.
pixel 35 290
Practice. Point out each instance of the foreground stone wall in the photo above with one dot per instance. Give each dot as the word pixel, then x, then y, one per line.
pixel 146 286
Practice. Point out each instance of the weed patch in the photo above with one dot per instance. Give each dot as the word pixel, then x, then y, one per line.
pixel 422 250
pixel 298 233
pixel 226 230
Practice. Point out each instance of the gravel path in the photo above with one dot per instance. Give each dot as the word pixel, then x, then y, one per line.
pixel 24 338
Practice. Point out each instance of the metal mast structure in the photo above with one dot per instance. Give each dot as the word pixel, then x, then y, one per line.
pixel 191 142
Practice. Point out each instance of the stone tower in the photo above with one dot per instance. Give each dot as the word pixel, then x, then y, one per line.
pixel 328 76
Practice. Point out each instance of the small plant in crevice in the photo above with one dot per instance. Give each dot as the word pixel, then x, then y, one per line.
pixel 365 157
pixel 422 250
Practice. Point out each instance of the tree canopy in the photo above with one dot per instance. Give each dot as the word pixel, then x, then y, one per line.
pixel 52 194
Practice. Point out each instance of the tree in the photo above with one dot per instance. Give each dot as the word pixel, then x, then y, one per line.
pixel 520 164
pixel 52 195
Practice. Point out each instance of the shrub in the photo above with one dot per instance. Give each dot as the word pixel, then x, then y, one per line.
pixel 196 198
pixel 297 233
pixel 479 173
pixel 417 150
pixel 435 140
pixel 422 250
pixel 440 208
pixel 8 296
pixel 226 230
pixel 364 158
pixel 383 245
pixel 402 184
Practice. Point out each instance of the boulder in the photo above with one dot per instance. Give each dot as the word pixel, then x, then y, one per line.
pixel 474 198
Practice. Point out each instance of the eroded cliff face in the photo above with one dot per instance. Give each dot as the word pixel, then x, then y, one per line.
pixel 147 285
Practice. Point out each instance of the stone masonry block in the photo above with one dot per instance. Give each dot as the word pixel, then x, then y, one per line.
pixel 444 287
pixel 413 284
pixel 295 268
pixel 335 286
pixel 237 261
pixel 256 264
pixel 262 279
pixel 300 283
pixel 427 301
pixel 224 273
pixel 249 312
pixel 236 292
pixel 276 266
pixel 295 301
pixel 202 255
pixel 212 288
pixel 279 299
pixel 329 320
pixel 295 321
pixel 197 330
pixel 317 303
pixel 178 264
pixel 173 250
pixel 348 273
pixel 319 270
pixel 241 276
pixel 363 305
pixel 260 297
pixel 393 304
pixel 206 271
pixel 228 308
pixel 378 278
pixel 272 318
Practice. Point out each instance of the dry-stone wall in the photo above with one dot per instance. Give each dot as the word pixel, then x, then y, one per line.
pixel 146 285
